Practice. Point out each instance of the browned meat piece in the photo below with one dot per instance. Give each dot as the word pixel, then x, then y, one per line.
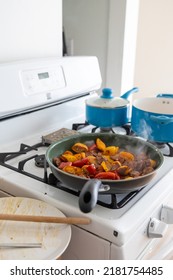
pixel 147 170
pixel 56 161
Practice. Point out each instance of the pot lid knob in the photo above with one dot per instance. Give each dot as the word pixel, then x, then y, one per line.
pixel 107 93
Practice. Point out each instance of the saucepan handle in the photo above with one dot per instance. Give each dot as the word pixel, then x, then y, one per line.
pixel 129 92
pixel 166 95
pixel 89 195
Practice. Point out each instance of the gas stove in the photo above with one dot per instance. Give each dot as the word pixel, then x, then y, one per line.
pixel 121 226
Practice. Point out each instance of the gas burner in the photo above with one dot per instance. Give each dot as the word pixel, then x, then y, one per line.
pixel 115 130
pixel 106 129
pixel 102 129
pixel 86 127
pixel 40 161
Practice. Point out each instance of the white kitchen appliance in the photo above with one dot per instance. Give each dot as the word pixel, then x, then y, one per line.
pixel 39 101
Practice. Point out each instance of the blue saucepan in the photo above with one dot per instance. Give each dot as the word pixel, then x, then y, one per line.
pixel 107 111
pixel 152 118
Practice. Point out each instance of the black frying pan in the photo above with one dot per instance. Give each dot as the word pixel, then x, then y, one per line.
pixel 89 188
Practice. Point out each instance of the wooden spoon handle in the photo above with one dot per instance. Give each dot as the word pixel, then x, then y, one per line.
pixel 45 219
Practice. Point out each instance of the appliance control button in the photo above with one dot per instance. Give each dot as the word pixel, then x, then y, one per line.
pixel 156 228
pixel 167 214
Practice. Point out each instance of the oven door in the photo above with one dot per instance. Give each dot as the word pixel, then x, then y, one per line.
pixel 160 248
pixel 4 194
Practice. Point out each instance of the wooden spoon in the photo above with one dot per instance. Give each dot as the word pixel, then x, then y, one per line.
pixel 45 219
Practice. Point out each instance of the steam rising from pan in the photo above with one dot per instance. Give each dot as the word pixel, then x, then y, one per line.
pixel 145 130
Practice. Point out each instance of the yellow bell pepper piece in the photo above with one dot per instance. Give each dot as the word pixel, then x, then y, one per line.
pixel 73 170
pixel 79 148
pixel 106 166
pixel 153 163
pixel 100 145
pixel 127 155
pixel 92 159
pixel 107 158
pixel 79 156
pixel 111 150
pixel 68 152
pixel 68 157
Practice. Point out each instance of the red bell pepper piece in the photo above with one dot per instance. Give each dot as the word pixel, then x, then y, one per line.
pixel 91 169
pixel 63 164
pixel 107 175
pixel 81 162
pixel 117 177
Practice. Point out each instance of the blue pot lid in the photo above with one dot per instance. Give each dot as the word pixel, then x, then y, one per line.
pixel 107 100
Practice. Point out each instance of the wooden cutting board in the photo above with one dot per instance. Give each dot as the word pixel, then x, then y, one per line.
pixel 54 237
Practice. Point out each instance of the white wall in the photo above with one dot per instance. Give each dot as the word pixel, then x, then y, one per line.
pixel 106 29
pixel 123 23
pixel 86 28
pixel 30 28
pixel 154 56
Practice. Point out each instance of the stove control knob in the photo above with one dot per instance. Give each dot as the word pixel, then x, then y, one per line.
pixel 156 228
pixel 167 214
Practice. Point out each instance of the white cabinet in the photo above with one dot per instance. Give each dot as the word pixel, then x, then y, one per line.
pixel 86 246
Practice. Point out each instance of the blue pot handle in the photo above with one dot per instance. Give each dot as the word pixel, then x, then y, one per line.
pixel 163 120
pixel 128 93
pixel 167 95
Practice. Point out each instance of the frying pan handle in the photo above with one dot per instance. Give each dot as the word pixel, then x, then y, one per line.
pixel 89 195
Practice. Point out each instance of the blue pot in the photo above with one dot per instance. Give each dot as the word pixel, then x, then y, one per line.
pixel 152 118
pixel 107 111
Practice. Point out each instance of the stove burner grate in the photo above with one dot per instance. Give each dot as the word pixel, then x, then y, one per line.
pixel 24 149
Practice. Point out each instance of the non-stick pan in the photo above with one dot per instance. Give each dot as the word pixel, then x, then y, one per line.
pixel 89 188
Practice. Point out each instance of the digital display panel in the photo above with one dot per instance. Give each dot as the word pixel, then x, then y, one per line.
pixel 44 75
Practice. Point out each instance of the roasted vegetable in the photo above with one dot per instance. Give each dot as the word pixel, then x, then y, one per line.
pixel 111 150
pixel 96 160
pixel 79 148
pixel 100 145
pixel 107 175
pixel 81 162
pixel 73 170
